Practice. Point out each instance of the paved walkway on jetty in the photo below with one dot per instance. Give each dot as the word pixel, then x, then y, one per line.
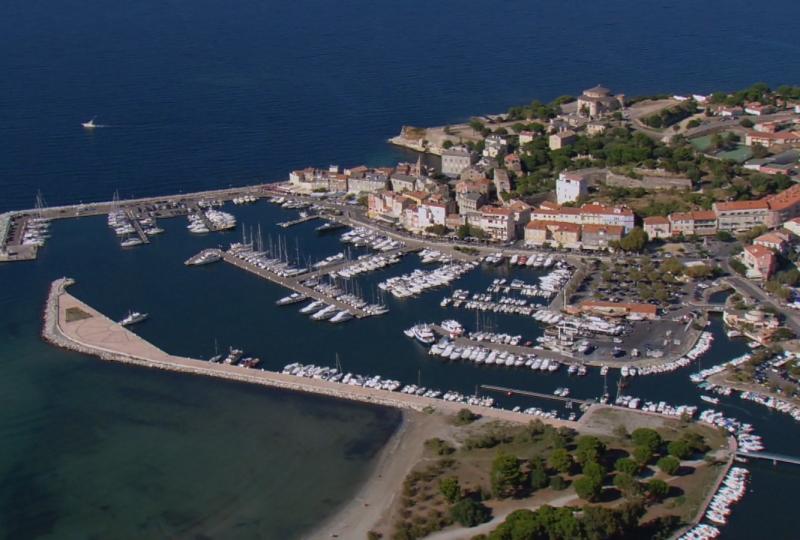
pixel 71 324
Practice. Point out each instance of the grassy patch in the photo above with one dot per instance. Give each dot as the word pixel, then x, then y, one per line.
pixel 76 314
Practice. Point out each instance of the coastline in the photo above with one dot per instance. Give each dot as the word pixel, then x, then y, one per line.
pixel 373 500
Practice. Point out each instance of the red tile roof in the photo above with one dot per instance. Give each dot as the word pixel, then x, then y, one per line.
pixel 656 220
pixel 732 206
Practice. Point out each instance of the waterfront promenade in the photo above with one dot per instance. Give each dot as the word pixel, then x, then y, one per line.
pixel 71 324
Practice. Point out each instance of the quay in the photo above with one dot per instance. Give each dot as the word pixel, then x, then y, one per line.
pixel 463 341
pixel 298 221
pixel 347 263
pixel 294 284
pixel 137 227
pixel 528 393
pixel 769 456
pixel 72 324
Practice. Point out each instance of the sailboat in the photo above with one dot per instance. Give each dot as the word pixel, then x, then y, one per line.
pixel 90 124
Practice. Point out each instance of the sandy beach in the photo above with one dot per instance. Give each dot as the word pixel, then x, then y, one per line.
pixel 374 499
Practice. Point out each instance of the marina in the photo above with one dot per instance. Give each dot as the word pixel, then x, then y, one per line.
pixel 71 324
pixel 239 258
pixel 511 402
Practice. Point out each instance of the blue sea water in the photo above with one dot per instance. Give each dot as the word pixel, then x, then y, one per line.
pixel 203 94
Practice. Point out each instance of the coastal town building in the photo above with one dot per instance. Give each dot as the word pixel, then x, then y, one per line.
pixel 502 183
pixel 369 183
pixel 513 163
pixel 455 160
pixel 600 236
pixel 562 139
pixel 784 205
pixel 535 233
pixel 595 128
pixel 497 223
pixel 617 309
pixel 473 173
pixel 430 214
pixel 657 227
pixel 521 214
pixel 741 215
pixel 598 101
pixel 760 326
pixel 758 109
pixel 494 145
pixel 568 235
pixel 592 213
pixel 600 214
pixel 729 112
pixel 768 127
pixel 469 202
pixel 777 241
pixel 526 137
pixel 694 223
pixel 570 187
pixel 759 261
pixel 387 204
pixel 403 182
pixel 479 185
pixel 337 182
pixel 768 140
pixel 793 226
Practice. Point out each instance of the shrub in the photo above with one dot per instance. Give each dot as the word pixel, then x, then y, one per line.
pixel 450 488
pixel 464 417
pixel 470 513
pixel 558 483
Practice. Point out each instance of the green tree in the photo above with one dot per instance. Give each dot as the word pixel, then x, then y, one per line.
pixel 561 460
pixel 588 449
pixel 595 470
pixel 627 485
pixel 507 478
pixel 470 513
pixel 679 449
pixel 669 465
pixel 634 241
pixel 642 454
pixel 450 488
pixel 648 438
pixel 657 489
pixel 539 478
pixel 627 465
pixel 588 488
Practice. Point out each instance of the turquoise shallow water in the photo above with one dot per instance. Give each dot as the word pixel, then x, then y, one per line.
pixel 96 450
